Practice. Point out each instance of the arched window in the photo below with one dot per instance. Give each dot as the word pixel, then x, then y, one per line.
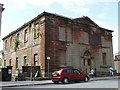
pixel 11 42
pixel 25 35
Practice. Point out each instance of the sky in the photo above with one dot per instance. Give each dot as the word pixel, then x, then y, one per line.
pixel 102 12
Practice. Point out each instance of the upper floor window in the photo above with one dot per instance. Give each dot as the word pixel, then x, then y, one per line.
pixel 36 31
pixel 61 33
pixel 25 35
pixel 84 37
pixel 11 41
pixel 95 38
pixel 5 44
pixel 18 36
pixel 16 42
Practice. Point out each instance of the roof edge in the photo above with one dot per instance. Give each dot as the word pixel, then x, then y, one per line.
pixel 40 15
pixel 32 20
pixel 24 25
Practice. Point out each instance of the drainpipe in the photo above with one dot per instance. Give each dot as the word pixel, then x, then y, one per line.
pixel 30 53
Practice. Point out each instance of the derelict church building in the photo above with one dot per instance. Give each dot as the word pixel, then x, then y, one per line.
pixel 78 43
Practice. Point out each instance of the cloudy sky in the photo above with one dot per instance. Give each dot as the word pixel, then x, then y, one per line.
pixel 103 12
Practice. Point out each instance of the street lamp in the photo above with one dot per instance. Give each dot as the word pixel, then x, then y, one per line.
pixel 30 62
pixel 30 43
pixel 48 59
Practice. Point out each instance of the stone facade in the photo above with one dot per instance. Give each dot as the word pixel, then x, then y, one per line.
pixel 117 63
pixel 1 10
pixel 78 43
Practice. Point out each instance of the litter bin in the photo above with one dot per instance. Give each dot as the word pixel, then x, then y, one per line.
pixel 6 73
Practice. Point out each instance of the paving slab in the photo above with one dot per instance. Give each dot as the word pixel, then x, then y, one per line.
pixel 24 83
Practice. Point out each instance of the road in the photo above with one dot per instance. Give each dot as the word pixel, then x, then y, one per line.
pixel 112 83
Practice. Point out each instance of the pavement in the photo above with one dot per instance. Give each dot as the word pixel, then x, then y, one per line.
pixel 43 82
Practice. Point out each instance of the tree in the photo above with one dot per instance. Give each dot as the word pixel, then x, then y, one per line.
pixel 16 43
pixel 0 61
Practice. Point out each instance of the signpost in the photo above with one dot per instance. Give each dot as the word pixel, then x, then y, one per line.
pixel 48 59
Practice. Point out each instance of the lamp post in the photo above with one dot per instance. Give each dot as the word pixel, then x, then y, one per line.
pixel 30 62
pixel 48 59
pixel 30 54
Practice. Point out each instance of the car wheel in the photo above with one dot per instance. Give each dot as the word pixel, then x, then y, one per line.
pixel 86 79
pixel 56 82
pixel 65 80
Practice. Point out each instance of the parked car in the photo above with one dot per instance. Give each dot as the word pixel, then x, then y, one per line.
pixel 66 75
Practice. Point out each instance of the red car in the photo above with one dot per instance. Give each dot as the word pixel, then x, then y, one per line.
pixel 66 75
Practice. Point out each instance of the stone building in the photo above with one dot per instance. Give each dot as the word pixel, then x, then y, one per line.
pixel 78 43
pixel 1 10
pixel 117 63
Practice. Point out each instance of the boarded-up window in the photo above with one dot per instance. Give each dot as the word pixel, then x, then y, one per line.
pixel 62 57
pixel 36 59
pixel 84 37
pixel 104 58
pixel 61 33
pixel 95 38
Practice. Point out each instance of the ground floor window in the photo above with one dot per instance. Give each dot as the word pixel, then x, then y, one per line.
pixel 4 62
pixel 35 59
pixel 104 58
pixel 62 57
pixel 89 62
pixel 16 62
pixel 84 62
pixel 25 60
pixel 10 62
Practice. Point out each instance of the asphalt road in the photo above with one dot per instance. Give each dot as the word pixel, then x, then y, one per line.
pixel 111 84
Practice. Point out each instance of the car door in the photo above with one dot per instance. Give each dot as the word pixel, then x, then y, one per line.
pixel 76 75
pixel 69 73
pixel 82 76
